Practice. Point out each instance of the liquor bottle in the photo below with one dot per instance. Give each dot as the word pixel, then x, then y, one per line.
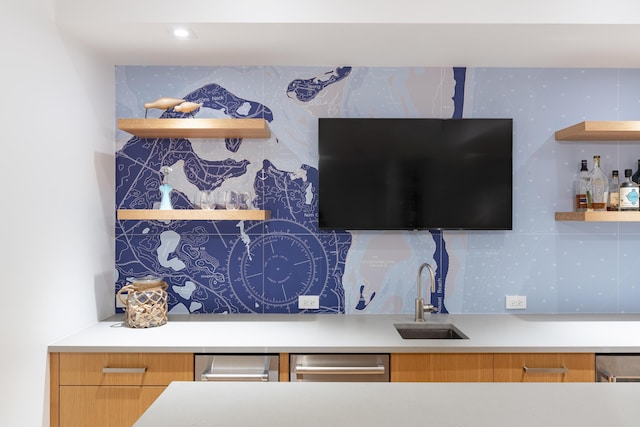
pixel 598 187
pixel 636 176
pixel 581 187
pixel 613 202
pixel 629 193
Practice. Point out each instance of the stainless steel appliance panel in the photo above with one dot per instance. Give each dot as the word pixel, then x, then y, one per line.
pixel 616 368
pixel 239 367
pixel 339 367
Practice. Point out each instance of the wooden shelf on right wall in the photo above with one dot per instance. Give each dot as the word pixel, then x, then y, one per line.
pixel 610 216
pixel 601 131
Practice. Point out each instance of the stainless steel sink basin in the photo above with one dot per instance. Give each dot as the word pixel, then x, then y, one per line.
pixel 429 331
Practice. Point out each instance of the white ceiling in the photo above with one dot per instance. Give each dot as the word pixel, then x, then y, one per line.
pixel 473 33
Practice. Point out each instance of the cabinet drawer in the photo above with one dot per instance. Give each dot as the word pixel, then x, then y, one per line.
pixel 544 367
pixel 442 367
pixel 125 368
pixel 105 406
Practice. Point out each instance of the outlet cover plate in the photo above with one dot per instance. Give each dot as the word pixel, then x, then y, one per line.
pixel 308 302
pixel 516 302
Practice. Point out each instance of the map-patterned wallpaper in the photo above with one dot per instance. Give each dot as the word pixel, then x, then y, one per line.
pixel 263 266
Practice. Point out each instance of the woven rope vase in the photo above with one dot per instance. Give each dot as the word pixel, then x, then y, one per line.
pixel 145 303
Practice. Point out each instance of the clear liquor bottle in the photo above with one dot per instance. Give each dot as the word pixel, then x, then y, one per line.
pixel 629 193
pixel 598 187
pixel 613 201
pixel 581 184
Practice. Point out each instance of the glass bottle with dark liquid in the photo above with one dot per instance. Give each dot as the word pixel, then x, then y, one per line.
pixel 581 187
pixel 613 202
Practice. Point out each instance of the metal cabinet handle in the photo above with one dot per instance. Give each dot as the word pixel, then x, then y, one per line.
pixel 528 370
pixel 340 370
pixel 107 370
pixel 207 376
pixel 618 378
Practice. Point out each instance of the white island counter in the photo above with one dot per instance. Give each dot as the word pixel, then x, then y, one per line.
pixel 201 404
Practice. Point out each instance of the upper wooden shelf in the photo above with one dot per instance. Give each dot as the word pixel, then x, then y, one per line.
pixel 194 214
pixel 196 128
pixel 601 131
pixel 611 216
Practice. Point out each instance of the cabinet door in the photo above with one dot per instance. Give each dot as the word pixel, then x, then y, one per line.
pixel 441 367
pixel 111 389
pixel 544 367
pixel 125 368
pixel 105 406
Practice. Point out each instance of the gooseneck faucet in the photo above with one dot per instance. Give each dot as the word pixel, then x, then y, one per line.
pixel 421 307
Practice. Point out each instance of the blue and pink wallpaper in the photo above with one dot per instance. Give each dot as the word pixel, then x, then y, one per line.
pixel 263 266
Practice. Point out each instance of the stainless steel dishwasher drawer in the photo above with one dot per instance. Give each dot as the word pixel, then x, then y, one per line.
pixel 339 367
pixel 236 367
pixel 618 368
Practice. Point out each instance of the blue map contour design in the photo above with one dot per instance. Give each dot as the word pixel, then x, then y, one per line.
pixel 217 97
pixel 292 257
pixel 459 75
pixel 224 266
pixel 441 256
pixel 249 266
pixel 305 90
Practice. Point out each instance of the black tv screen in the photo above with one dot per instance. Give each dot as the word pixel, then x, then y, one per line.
pixel 412 174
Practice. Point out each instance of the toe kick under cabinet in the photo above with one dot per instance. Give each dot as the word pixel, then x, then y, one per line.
pixel 111 389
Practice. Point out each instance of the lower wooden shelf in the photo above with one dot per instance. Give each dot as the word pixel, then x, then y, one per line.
pixel 608 216
pixel 194 214
pixel 612 130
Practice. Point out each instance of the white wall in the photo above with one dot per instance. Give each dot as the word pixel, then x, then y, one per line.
pixel 56 216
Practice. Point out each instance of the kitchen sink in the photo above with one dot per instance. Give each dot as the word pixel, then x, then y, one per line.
pixel 429 331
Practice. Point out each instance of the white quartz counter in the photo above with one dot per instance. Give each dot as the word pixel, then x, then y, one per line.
pixel 360 333
pixel 200 404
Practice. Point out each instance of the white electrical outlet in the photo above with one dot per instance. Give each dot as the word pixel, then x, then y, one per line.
pixel 308 302
pixel 516 302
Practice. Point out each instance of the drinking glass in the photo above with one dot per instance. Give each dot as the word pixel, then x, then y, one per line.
pixel 204 200
pixel 231 200
pixel 245 200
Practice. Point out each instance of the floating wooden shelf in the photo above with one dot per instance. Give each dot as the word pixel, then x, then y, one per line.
pixel 196 128
pixel 601 131
pixel 599 216
pixel 193 214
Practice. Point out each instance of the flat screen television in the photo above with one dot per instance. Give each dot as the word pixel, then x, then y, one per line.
pixel 414 174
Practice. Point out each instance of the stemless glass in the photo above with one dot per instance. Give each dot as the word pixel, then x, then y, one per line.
pixel 231 200
pixel 204 200
pixel 245 200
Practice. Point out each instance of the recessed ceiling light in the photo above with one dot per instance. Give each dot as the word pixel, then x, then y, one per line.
pixel 183 33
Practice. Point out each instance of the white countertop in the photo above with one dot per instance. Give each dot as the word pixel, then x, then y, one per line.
pixel 360 333
pixel 395 404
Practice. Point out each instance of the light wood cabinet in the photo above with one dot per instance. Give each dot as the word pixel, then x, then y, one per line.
pixel 441 367
pixel 105 405
pixel 544 367
pixel 111 389
pixel 493 367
